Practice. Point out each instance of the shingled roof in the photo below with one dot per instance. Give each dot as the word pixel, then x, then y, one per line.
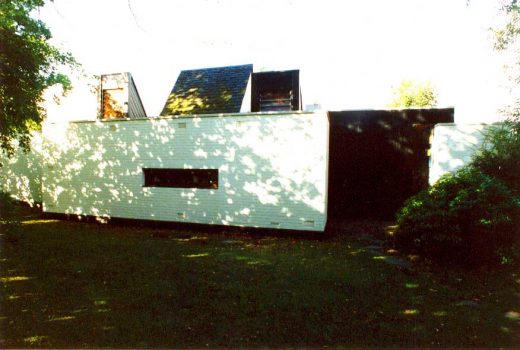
pixel 210 90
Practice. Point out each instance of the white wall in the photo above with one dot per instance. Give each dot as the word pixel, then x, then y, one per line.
pixel 453 145
pixel 246 101
pixel 20 175
pixel 272 169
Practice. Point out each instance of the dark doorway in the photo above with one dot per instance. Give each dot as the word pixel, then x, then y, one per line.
pixel 378 159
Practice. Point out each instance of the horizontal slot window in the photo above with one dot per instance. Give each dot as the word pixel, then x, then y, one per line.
pixel 181 178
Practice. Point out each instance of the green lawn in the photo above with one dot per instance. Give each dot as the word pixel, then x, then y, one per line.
pixel 70 284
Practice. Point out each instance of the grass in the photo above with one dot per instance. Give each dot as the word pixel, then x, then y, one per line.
pixel 70 284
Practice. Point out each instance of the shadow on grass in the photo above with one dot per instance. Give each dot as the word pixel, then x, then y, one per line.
pixel 66 284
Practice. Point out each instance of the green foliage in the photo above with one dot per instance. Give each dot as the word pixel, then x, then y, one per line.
pixel 467 218
pixel 6 206
pixel 9 219
pixel 499 156
pixel 413 94
pixel 506 35
pixel 29 64
pixel 506 40
pixel 471 217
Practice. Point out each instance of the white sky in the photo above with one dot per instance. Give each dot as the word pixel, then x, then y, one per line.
pixel 351 54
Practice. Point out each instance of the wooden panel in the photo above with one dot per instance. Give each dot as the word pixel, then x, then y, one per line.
pixel 378 159
pixel 135 105
pixel 296 101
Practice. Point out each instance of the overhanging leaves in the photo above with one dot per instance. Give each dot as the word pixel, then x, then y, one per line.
pixel 29 64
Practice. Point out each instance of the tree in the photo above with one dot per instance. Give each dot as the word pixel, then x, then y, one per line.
pixel 498 157
pixel 507 35
pixel 413 94
pixel 473 215
pixel 29 64
pixel 506 41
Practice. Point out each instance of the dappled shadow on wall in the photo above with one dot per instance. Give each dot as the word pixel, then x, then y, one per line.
pixel 96 169
pixel 453 146
pixel 378 159
pixel 20 174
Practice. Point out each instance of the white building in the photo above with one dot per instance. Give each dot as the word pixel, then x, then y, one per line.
pixel 202 161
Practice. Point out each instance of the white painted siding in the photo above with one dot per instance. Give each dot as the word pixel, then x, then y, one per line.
pixel 20 175
pixel 272 169
pixel 246 101
pixel 453 145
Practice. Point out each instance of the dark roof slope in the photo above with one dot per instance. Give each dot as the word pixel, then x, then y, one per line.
pixel 211 90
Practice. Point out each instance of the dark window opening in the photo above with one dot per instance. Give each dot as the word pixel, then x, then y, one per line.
pixel 275 91
pixel 276 101
pixel 181 178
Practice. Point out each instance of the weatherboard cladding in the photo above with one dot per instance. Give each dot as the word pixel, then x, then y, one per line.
pixel 210 90
pixel 20 175
pixel 272 169
pixel 453 146
pixel 135 105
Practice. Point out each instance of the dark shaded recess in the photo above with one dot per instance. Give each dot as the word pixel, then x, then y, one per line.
pixel 275 85
pixel 378 159
pixel 190 228
pixel 181 178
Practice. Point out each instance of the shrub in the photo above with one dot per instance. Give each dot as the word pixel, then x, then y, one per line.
pixel 6 206
pixel 500 154
pixel 467 218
